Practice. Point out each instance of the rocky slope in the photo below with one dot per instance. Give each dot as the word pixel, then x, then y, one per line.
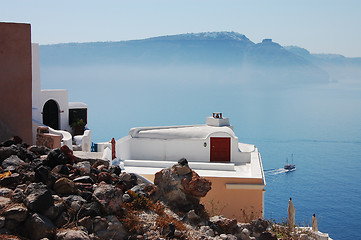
pixel 51 194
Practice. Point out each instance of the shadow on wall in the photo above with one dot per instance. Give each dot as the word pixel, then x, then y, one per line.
pixel 5 132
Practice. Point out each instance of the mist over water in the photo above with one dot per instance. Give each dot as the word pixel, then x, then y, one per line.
pixel 318 123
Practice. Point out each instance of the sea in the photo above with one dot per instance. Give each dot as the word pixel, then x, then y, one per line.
pixel 319 124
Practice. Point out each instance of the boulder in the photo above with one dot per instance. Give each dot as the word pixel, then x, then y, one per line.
pixel 258 226
pixel 89 209
pixel 99 224
pixel 113 230
pixel 69 154
pixel 38 197
pixel 64 186
pixel 10 181
pixel 115 169
pixel 54 158
pixel 83 167
pixel 54 211
pixel 192 217
pixel 196 186
pixel 12 161
pixel 6 152
pixel 39 150
pixel 127 181
pixel 12 141
pixel 222 224
pixel 86 222
pixel 105 177
pixel 17 212
pixel 6 192
pixel 181 191
pixel 44 227
pixel 44 175
pixel 26 155
pixel 18 195
pixel 109 197
pixel 72 234
pixel 74 202
pixel 271 236
pixel 61 169
pixel 4 201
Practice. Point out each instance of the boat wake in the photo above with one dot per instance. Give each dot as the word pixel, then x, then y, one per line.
pixel 277 171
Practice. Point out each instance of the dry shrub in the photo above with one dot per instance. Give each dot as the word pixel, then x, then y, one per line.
pixel 163 220
pixel 139 202
pixel 131 222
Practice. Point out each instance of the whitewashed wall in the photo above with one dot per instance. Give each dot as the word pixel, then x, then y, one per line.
pixel 40 97
pixel 192 149
pixel 61 97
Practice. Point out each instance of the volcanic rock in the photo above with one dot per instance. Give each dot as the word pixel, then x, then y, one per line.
pixel 13 160
pixel 6 192
pixel 181 191
pixel 38 198
pixel 16 212
pixel 44 227
pixel 109 197
pixel 258 226
pixel 64 186
pixel 72 234
pixel 222 224
pixel 55 157
pixel 4 201
pixel 42 174
pixel 10 181
pixel 114 229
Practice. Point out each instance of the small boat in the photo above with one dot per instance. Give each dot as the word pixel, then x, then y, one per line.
pixel 290 166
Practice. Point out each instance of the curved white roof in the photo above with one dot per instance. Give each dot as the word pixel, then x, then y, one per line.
pixel 174 132
pixel 73 105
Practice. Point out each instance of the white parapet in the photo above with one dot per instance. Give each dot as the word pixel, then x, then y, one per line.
pixel 66 137
pixel 193 165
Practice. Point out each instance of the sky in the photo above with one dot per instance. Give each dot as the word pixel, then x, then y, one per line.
pixel 320 26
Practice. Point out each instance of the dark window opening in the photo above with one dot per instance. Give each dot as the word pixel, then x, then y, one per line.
pixel 77 114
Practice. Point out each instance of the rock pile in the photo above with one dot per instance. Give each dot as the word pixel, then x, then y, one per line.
pixel 51 194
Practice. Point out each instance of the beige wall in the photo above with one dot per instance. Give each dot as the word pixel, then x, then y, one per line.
pixel 242 204
pixel 15 81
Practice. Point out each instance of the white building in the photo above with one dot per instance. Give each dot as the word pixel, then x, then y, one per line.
pixel 212 150
pixel 52 107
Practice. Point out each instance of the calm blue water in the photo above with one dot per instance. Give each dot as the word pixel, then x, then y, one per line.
pixel 320 125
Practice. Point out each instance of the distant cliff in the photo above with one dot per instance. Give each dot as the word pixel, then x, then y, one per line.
pixel 265 62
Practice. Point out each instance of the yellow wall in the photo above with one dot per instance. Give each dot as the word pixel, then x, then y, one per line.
pixel 242 204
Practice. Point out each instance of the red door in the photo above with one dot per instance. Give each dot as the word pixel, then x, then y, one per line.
pixel 220 149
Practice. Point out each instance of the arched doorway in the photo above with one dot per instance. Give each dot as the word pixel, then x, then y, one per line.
pixel 51 114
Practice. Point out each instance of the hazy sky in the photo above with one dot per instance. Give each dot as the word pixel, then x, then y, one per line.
pixel 321 26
